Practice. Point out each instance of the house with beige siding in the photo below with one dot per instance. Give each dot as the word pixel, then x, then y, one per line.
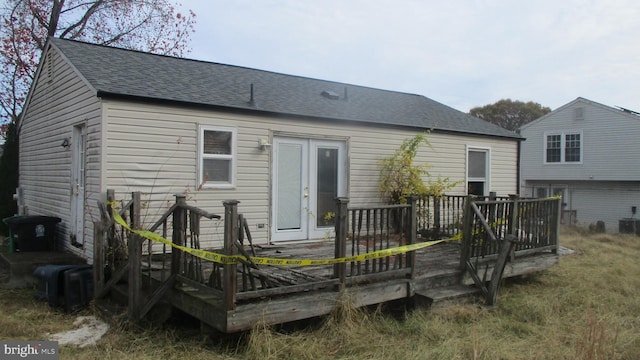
pixel 584 152
pixel 285 146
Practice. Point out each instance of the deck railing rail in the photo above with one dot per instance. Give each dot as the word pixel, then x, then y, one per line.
pixel 482 226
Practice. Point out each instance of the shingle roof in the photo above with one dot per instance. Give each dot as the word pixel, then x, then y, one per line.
pixel 120 72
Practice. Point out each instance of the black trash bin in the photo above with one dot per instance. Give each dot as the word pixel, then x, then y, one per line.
pixel 32 232
pixel 70 286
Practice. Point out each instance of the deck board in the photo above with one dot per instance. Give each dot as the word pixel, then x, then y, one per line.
pixel 314 292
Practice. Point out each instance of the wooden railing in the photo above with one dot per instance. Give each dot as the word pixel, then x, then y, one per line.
pixel 530 225
pixel 152 268
pixel 371 229
pixel 496 230
pixel 358 231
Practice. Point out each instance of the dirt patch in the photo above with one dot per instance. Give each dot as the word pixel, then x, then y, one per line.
pixel 89 331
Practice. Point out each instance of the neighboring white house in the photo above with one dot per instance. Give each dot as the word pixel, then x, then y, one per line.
pixel 285 146
pixel 585 152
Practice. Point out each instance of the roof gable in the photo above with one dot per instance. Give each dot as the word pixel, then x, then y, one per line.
pixel 119 72
pixel 588 103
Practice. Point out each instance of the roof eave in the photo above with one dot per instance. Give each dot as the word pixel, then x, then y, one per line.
pixel 250 109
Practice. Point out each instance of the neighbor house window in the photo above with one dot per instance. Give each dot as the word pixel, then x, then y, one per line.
pixel 478 171
pixel 217 157
pixel 565 147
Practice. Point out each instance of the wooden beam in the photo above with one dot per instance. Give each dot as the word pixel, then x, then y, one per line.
pixel 98 256
pixel 157 296
pixel 467 233
pixel 341 228
pixel 115 278
pixel 229 281
pixel 498 269
pixel 135 261
pixel 298 307
pixel 178 235
pixel 413 234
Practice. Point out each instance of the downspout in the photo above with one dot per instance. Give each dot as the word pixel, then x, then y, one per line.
pixel 518 168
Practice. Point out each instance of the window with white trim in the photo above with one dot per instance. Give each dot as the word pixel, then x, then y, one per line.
pixel 216 157
pixel 478 171
pixel 563 147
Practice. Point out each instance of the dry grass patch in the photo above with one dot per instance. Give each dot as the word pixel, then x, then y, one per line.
pixel 586 308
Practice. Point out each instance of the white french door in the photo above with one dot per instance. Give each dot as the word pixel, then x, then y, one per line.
pixel 308 174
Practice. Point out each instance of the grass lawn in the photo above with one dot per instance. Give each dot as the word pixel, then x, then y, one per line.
pixel 588 307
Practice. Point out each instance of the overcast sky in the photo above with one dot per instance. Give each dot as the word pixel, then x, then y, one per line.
pixel 462 53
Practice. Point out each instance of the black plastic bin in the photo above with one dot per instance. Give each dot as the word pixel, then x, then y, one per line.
pixel 68 286
pixel 32 232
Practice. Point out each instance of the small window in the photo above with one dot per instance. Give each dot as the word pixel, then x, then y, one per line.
pixel 478 171
pixel 564 147
pixel 217 158
pixel 578 113
pixel 541 192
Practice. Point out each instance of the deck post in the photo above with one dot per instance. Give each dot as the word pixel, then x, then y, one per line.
pixel 230 282
pixel 556 225
pixel 111 197
pixel 98 256
pixel 342 223
pixel 135 260
pixel 513 217
pixel 467 232
pixel 179 235
pixel 437 202
pixel 491 209
pixel 413 233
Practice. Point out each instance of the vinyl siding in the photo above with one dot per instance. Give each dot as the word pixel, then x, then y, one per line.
pixel 609 141
pixel 59 100
pixel 608 201
pixel 153 149
pixel 606 183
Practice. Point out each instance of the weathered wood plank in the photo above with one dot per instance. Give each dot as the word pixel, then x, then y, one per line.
pixel 135 260
pixel 523 266
pixel 98 256
pixel 291 308
pixel 284 290
pixel 498 270
pixel 157 296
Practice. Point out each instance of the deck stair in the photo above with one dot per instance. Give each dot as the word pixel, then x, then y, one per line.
pixel 448 294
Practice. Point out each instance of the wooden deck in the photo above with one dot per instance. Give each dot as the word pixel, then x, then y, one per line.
pixel 499 239
pixel 311 291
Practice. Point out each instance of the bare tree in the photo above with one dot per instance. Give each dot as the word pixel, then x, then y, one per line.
pixel 149 25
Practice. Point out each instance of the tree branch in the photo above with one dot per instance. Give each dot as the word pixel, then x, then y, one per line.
pixel 82 23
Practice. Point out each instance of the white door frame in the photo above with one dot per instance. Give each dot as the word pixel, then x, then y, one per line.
pixel 78 176
pixel 300 186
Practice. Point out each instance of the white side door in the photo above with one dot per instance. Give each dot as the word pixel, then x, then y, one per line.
pixel 78 146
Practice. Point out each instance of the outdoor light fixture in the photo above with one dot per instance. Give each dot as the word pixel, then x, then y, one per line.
pixel 65 143
pixel 264 144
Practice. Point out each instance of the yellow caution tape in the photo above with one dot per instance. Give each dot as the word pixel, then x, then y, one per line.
pixel 234 259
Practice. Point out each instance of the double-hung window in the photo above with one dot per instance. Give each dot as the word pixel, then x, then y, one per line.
pixel 563 147
pixel 478 175
pixel 217 157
